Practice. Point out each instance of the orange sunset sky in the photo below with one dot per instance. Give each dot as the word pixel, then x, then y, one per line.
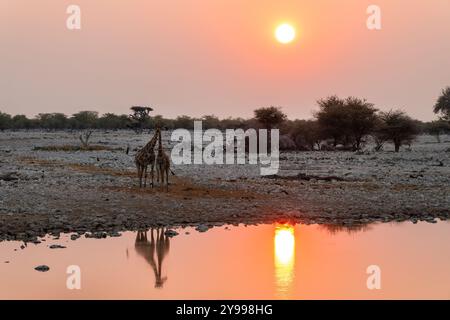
pixel 220 57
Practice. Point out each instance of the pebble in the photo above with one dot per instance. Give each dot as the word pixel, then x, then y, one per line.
pixel 114 234
pixel 202 228
pixel 56 246
pixel 97 235
pixel 42 268
pixel 171 233
pixel 74 236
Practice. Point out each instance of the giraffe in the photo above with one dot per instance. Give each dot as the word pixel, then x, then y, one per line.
pixel 158 247
pixel 145 157
pixel 162 164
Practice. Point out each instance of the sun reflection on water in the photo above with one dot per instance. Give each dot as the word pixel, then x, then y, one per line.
pixel 284 247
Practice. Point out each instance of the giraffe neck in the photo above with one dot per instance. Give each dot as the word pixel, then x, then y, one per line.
pixel 159 141
pixel 151 144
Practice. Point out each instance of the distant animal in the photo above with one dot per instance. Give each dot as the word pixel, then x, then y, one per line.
pixel 145 157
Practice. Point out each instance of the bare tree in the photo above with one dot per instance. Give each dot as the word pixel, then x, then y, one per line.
pixel 84 138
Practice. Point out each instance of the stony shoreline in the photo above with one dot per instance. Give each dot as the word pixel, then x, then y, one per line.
pixel 95 192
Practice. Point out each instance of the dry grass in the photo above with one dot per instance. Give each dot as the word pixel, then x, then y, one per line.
pixel 98 170
pixel 72 148
pixel 184 188
pixel 180 187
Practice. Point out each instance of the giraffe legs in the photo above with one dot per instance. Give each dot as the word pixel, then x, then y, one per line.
pixel 157 172
pixel 167 179
pixel 145 176
pixel 161 171
pixel 139 169
pixel 152 173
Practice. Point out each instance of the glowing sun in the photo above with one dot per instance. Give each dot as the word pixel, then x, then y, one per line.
pixel 285 33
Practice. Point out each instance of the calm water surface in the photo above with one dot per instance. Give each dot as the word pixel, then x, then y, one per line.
pixel 255 262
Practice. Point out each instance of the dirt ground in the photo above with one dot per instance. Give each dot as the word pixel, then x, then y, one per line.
pixel 44 189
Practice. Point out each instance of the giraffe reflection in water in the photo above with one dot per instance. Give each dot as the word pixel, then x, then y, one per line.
pixel 154 251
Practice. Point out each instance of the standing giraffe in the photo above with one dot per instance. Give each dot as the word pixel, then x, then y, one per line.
pixel 145 157
pixel 162 164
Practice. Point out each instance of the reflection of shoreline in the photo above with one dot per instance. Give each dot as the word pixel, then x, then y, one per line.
pixel 157 248
pixel 350 229
pixel 284 249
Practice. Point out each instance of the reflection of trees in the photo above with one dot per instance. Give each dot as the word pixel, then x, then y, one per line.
pixel 154 251
pixel 350 229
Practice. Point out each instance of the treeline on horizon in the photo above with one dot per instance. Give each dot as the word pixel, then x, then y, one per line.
pixel 344 123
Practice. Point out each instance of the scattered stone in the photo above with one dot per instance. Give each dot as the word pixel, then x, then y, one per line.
pixel 57 246
pixel 171 233
pixel 9 176
pixel 202 228
pixel 74 236
pixel 96 235
pixel 42 268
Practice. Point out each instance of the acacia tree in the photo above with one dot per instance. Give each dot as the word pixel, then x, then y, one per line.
pixel 347 121
pixel 396 127
pixel 270 117
pixel 184 122
pixel 5 121
pixel 20 121
pixel 360 119
pixel 377 134
pixel 52 121
pixel 140 117
pixel 210 122
pixel 161 122
pixel 331 118
pixel 84 120
pixel 307 134
pixel 438 127
pixel 442 105
pixel 112 121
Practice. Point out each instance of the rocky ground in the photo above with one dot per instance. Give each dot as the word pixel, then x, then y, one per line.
pixel 95 192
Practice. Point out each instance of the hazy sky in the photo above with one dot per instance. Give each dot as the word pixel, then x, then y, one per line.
pixel 220 57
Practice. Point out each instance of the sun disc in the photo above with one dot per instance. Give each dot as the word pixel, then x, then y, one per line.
pixel 285 33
